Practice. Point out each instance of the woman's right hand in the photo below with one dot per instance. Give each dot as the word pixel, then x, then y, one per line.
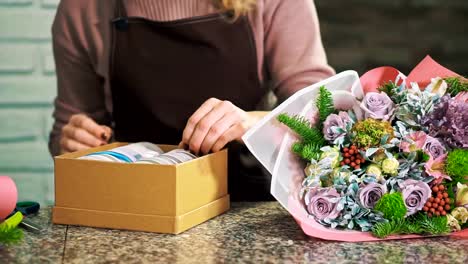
pixel 82 132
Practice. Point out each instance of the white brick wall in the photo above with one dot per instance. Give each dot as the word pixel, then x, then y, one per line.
pixel 27 88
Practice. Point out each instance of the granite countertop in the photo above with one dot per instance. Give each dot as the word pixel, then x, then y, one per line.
pixel 249 232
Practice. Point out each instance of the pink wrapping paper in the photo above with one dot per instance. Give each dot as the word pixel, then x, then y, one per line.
pixel 372 79
pixel 427 69
pixel 314 229
pixel 8 196
pixel 421 74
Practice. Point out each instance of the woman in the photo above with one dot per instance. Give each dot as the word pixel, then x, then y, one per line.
pixel 180 71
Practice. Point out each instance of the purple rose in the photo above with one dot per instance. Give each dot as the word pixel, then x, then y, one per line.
pixel 415 194
pixel 334 121
pixel 371 193
pixel 378 106
pixel 434 147
pixel 322 203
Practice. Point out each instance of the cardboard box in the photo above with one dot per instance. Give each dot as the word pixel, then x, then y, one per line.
pixel 142 197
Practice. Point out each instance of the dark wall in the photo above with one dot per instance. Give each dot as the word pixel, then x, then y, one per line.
pixel 363 34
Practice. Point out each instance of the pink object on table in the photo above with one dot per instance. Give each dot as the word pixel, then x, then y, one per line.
pixel 8 196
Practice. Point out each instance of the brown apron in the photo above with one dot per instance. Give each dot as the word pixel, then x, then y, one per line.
pixel 161 72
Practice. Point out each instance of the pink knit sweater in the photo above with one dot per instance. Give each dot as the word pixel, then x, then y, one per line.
pixel 286 32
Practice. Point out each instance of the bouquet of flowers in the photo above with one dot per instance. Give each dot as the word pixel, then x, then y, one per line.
pixel 388 158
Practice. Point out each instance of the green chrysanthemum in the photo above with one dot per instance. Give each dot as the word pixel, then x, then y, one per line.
pixel 457 163
pixel 392 206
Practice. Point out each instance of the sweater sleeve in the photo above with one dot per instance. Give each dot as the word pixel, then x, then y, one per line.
pixel 294 53
pixel 80 88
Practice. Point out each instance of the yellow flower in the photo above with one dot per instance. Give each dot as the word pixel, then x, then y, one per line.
pixel 375 171
pixel 338 173
pixel 453 223
pixel 461 214
pixel 462 195
pixel 333 154
pixel 390 166
pixel 311 169
pixel 379 156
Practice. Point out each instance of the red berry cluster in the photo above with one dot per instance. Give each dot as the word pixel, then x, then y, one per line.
pixel 352 158
pixel 439 203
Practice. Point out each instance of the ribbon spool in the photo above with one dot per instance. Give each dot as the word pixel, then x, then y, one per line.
pixel 8 196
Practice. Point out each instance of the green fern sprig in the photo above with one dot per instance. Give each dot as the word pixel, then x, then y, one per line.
pixel 419 224
pixel 302 127
pixel 411 227
pixel 456 85
pixel 307 151
pixel 388 88
pixel 434 225
pixel 312 138
pixel 384 229
pixel 324 104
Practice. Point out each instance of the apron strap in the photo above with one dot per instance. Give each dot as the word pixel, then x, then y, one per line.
pixel 121 12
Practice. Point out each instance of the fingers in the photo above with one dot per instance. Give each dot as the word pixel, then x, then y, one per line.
pixel 193 121
pixel 88 124
pixel 207 123
pixel 231 134
pixel 107 134
pixel 70 145
pixel 218 130
pixel 181 145
pixel 213 125
pixel 81 135
pixel 82 132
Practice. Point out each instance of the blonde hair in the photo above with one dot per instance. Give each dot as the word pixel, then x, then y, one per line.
pixel 239 7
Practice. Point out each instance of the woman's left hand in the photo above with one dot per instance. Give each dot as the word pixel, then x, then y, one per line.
pixel 215 124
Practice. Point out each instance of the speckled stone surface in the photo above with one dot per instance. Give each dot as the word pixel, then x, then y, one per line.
pixel 44 247
pixel 248 233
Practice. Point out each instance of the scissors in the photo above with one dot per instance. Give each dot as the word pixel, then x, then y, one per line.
pixel 28 208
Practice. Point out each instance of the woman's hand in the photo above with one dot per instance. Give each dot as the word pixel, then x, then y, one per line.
pixel 82 132
pixel 215 124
